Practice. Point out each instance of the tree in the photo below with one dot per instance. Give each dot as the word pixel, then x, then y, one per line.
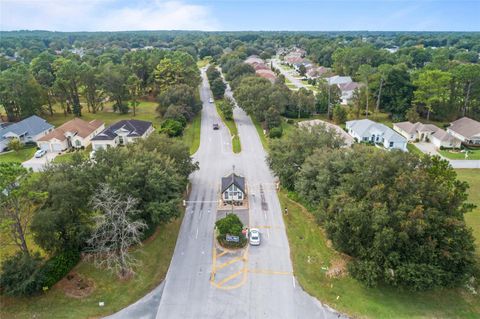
pixel 365 72
pixel 304 102
pixel 15 144
pixel 339 114
pixel 218 88
pixel 433 88
pixel 91 87
pixel 19 201
pixel 468 75
pixel 42 70
pixel 20 93
pixel 68 82
pixel 327 96
pixel 287 155
pixel 383 71
pixel 134 90
pixel 412 115
pixel 114 79
pixel 22 275
pixel 176 68
pixel 114 232
pixel 226 106
pixel 183 96
pixel 399 216
pixel 302 70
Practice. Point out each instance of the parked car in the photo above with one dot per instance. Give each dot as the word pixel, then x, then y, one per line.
pixel 216 126
pixel 211 100
pixel 254 237
pixel 40 153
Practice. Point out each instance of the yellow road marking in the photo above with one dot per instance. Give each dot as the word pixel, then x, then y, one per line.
pixel 223 253
pixel 232 276
pixel 234 260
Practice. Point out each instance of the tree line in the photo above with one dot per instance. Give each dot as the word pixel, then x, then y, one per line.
pixel 400 217
pixel 96 207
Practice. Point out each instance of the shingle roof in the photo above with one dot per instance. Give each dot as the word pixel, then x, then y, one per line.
pixel 80 127
pixel 238 181
pixel 465 127
pixel 32 126
pixel 135 128
pixel 444 136
pixel 365 125
pixel 410 128
pixel 339 80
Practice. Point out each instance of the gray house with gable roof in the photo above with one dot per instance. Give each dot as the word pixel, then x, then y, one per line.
pixel 28 130
pixel 122 133
pixel 373 132
pixel 233 189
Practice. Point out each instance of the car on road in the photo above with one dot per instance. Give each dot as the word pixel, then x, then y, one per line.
pixel 211 100
pixel 254 237
pixel 40 153
pixel 216 126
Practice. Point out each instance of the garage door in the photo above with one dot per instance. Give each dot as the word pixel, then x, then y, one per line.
pixel 45 146
pixel 56 147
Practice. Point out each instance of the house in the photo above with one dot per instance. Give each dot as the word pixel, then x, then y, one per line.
pixel 466 130
pixel 28 130
pixel 373 132
pixel 233 189
pixel 426 133
pixel 267 74
pixel 75 133
pixel 316 72
pixel 331 127
pixel 122 133
pixel 347 90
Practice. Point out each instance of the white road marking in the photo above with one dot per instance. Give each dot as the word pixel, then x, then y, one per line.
pixel 268 233
pixel 293 281
pixel 196 236
pixel 265 214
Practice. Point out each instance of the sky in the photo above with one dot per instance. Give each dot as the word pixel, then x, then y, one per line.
pixel 240 15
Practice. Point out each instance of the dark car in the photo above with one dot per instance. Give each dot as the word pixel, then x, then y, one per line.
pixel 215 126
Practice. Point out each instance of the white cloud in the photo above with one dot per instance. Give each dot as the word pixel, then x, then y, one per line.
pixel 104 15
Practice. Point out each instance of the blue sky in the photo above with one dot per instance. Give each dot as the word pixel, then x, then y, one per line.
pixel 322 15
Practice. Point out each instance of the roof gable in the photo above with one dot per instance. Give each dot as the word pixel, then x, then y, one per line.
pixel 32 126
pixel 233 179
pixel 130 128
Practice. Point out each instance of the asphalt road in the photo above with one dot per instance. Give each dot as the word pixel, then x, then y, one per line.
pixel 295 81
pixel 255 283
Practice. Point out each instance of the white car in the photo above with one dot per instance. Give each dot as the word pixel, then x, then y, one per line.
pixel 40 153
pixel 254 237
pixel 211 100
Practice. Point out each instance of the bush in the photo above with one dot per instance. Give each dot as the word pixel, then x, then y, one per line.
pixel 276 132
pixel 22 275
pixel 339 114
pixel 231 225
pixel 58 267
pixel 172 128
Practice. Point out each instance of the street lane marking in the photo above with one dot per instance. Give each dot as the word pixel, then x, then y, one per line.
pixel 231 277
pixel 196 235
pixel 269 272
pixel 232 261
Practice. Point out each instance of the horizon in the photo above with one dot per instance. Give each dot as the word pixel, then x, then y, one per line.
pixel 240 16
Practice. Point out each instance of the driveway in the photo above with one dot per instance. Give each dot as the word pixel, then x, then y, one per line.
pixel 38 164
pixel 429 148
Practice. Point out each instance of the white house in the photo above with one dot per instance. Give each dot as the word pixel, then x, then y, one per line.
pixel 346 86
pixel 466 130
pixel 426 133
pixel 28 130
pixel 233 189
pixel 75 133
pixel 370 131
pixel 122 133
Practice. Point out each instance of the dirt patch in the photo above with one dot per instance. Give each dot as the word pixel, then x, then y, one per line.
pixel 76 286
pixel 338 268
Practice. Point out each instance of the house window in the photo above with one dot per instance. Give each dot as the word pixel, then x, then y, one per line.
pixel 391 144
pixel 365 138
pixel 77 143
pixel 120 140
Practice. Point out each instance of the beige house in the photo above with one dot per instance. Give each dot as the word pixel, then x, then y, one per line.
pixel 426 133
pixel 75 133
pixel 466 130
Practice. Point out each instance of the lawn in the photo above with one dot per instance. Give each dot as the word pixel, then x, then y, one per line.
pixel 146 111
pixel 154 257
pixel 310 252
pixel 191 135
pixel 472 177
pixel 20 156
pixel 472 154
pixel 412 148
pixel 263 138
pixel 232 127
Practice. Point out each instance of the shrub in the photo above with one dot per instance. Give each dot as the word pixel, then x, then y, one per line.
pixel 22 275
pixel 276 132
pixel 172 128
pixel 290 121
pixel 231 225
pixel 339 114
pixel 58 267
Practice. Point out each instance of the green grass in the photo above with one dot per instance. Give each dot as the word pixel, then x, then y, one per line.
pixel 191 135
pixel 472 154
pixel 263 138
pixel 144 111
pixel 154 257
pixel 21 156
pixel 412 148
pixel 232 127
pixel 472 177
pixel 308 243
pixel 203 63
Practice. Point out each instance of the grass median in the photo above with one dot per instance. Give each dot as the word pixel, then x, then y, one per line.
pixel 191 135
pixel 232 127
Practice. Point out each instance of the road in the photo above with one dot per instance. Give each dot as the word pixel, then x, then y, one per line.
pixel 295 81
pixel 259 283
